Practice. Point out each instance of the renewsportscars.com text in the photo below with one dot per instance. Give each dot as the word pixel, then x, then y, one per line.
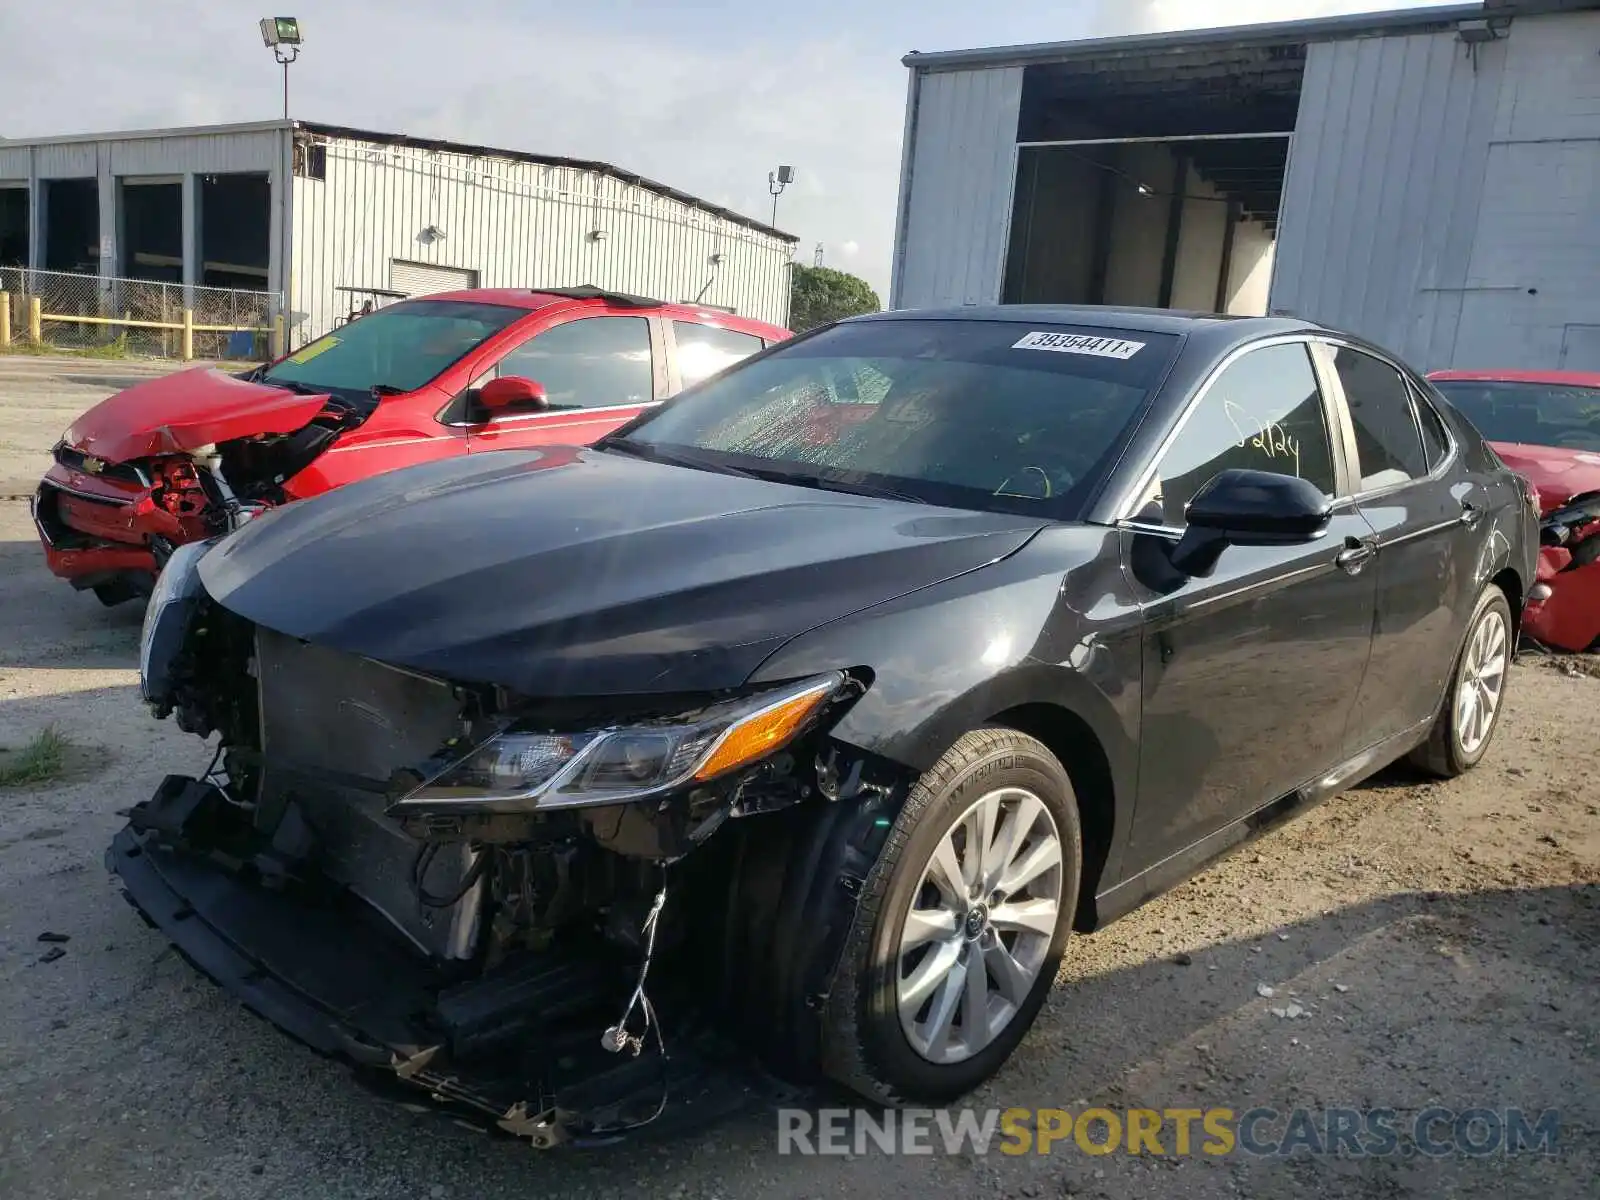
pixel 1264 1132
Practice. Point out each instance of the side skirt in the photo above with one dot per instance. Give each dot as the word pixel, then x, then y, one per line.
pixel 1165 875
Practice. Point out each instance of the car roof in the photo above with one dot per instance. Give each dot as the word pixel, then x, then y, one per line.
pixel 533 299
pixel 1553 378
pixel 1098 316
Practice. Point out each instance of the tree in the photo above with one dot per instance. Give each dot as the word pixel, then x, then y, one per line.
pixel 818 295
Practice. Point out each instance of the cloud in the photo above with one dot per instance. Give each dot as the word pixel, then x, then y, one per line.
pixel 1114 17
pixel 850 249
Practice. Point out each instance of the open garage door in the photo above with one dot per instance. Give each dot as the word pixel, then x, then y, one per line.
pixel 1153 178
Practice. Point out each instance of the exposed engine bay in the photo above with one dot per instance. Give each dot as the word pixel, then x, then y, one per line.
pixel 565 964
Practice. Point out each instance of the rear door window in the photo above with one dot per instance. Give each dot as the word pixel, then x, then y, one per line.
pixel 1388 440
pixel 1435 437
pixel 703 350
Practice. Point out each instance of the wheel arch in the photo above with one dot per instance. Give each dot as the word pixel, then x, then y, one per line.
pixel 1074 743
pixel 1510 581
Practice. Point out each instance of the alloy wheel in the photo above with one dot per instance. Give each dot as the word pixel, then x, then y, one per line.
pixel 1483 680
pixel 979 927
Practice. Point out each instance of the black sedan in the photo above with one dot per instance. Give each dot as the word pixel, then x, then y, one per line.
pixel 813 710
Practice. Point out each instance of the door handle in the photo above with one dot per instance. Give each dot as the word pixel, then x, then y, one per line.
pixel 1355 556
pixel 1471 514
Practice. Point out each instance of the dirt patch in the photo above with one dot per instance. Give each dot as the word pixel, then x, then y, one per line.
pixel 1574 666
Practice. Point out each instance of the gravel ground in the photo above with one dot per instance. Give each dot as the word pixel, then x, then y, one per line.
pixel 1440 939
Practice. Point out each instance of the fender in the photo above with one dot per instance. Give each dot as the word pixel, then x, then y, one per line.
pixel 951 657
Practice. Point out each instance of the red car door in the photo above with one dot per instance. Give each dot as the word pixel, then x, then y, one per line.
pixel 597 369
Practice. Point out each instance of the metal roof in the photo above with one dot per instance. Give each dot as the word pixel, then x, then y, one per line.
pixel 1310 29
pixel 343 132
pixel 581 164
pixel 1098 316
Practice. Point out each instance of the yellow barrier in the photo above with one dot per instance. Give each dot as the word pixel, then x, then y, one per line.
pixel 187 326
pixel 5 320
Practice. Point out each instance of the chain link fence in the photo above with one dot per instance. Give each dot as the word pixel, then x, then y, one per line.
pixel 140 317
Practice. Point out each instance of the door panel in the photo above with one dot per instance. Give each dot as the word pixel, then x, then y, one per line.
pixel 597 371
pixel 1249 675
pixel 1427 521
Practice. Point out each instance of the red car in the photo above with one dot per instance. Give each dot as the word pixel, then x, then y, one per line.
pixel 1546 426
pixel 198 452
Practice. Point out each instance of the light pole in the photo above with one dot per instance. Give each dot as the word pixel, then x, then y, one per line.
pixel 776 182
pixel 282 36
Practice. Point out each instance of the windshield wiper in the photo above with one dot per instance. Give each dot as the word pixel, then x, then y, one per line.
pixel 387 389
pixel 654 453
pixel 830 483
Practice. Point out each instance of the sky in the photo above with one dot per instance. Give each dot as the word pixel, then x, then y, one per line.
pixel 704 96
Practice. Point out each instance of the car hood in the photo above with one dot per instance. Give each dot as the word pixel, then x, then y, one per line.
pixel 572 572
pixel 181 412
pixel 1559 474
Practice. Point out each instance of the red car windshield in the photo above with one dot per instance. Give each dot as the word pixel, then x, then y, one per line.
pixel 1532 414
pixel 398 348
pixel 989 415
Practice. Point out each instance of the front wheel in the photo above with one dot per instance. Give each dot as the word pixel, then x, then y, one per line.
pixel 961 926
pixel 1472 706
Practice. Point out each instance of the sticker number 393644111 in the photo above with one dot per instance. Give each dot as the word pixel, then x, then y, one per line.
pixel 1077 343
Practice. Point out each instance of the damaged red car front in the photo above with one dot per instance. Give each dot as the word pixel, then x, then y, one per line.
pixel 125 490
pixel 195 454
pixel 1545 425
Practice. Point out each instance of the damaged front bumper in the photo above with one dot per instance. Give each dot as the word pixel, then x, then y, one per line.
pixel 517 1050
pixel 1563 610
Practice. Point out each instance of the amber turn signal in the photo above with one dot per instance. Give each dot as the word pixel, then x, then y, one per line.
pixel 762 732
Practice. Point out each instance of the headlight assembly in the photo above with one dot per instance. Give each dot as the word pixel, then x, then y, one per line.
pixel 521 770
pixel 166 619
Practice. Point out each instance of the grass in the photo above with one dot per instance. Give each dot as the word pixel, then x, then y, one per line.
pixel 43 759
pixel 26 347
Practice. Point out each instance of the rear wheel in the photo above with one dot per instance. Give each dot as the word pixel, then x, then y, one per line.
pixel 1473 704
pixel 961 925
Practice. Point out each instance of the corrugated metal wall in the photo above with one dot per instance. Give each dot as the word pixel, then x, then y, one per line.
pixel 956 185
pixel 1381 201
pixel 517 224
pixel 247 148
pixel 1446 206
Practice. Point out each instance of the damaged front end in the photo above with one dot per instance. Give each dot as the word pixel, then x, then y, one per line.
pixel 110 510
pixel 1563 609
pixel 542 915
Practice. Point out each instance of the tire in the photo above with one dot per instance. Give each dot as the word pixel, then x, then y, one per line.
pixel 1451 748
pixel 892 1053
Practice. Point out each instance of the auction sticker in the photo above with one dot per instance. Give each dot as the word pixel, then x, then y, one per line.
pixel 1077 343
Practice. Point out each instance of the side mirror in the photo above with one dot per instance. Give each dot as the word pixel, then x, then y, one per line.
pixel 512 390
pixel 1249 508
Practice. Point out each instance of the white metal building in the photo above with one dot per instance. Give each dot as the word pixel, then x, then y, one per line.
pixel 332 218
pixel 1429 178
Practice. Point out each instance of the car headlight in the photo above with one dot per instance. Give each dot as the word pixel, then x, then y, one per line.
pixel 519 770
pixel 166 619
